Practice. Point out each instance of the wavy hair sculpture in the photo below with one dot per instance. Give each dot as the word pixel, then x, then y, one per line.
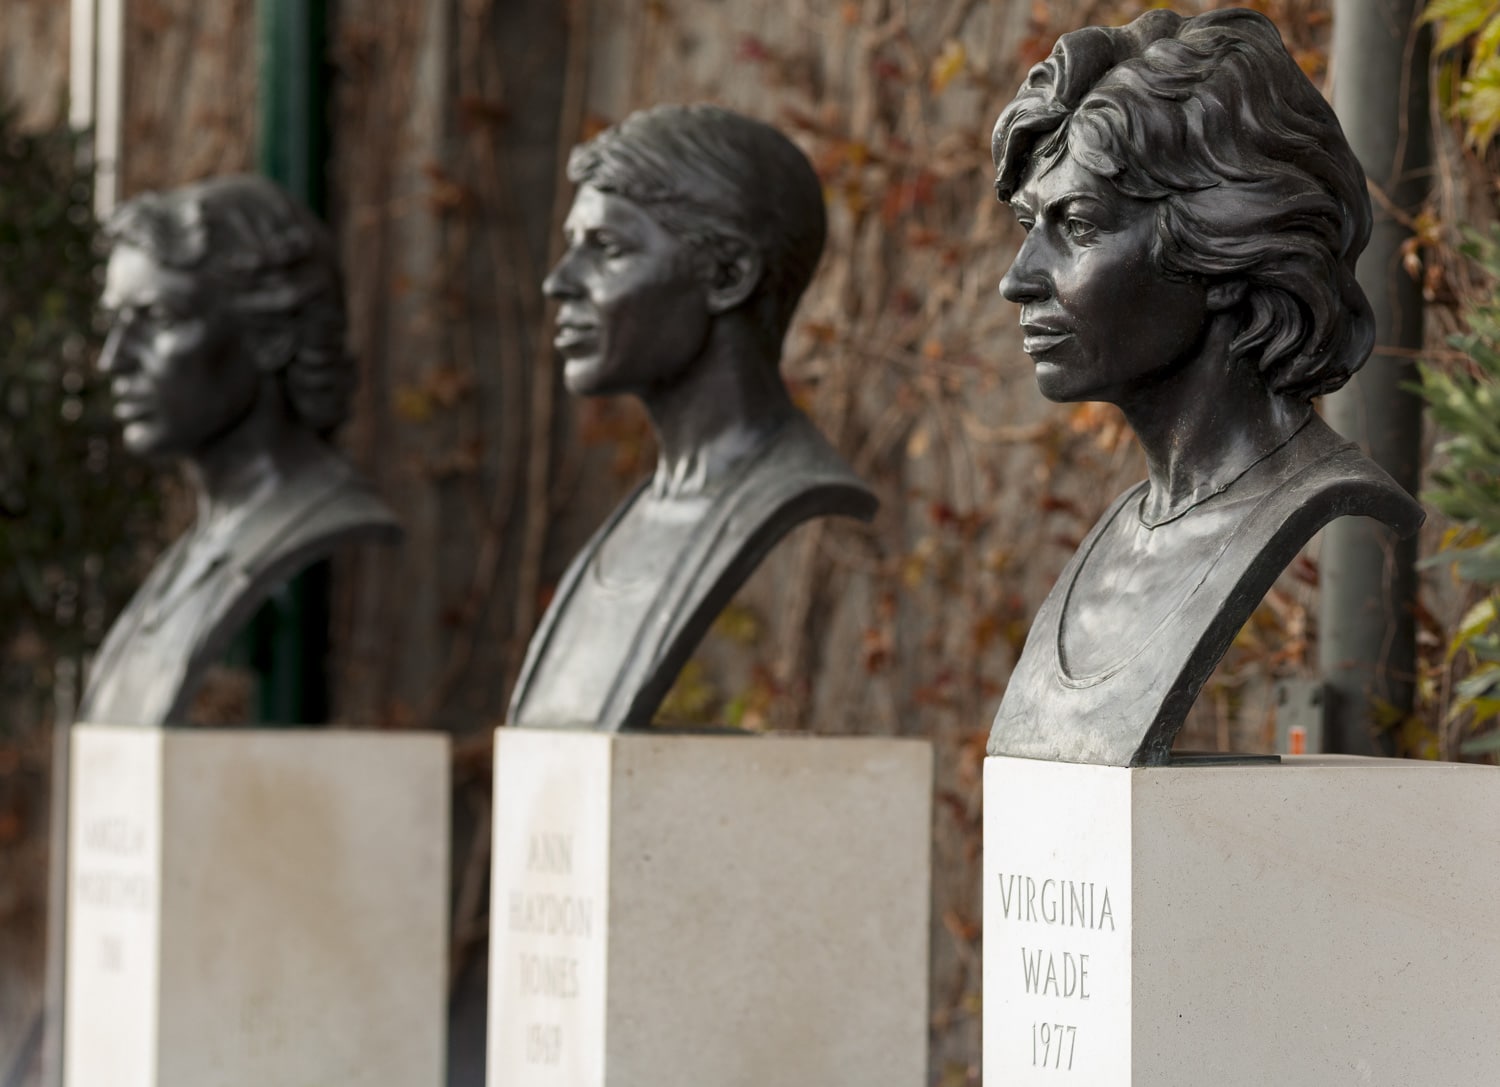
pixel 274 262
pixel 1211 118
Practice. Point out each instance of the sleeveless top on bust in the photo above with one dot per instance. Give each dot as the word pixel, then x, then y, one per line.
pixel 1127 714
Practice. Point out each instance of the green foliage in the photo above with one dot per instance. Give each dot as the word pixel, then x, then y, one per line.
pixel 1476 22
pixel 1465 403
pixel 71 503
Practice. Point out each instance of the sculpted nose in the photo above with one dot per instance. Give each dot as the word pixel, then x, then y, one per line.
pixel 1026 280
pixel 560 283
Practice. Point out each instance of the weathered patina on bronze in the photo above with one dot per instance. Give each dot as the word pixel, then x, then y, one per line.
pixel 1193 215
pixel 226 354
pixel 691 238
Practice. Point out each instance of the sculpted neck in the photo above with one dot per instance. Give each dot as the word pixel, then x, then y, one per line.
pixel 1205 426
pixel 718 413
pixel 254 458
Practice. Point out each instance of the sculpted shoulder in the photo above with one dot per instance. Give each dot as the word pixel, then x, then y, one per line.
pixel 803 476
pixel 320 511
pixel 1327 478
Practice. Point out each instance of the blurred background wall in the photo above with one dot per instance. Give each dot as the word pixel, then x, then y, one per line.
pixel 450 123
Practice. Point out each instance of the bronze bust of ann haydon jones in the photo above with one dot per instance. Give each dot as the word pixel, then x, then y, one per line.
pixel 225 354
pixel 1193 215
pixel 691 238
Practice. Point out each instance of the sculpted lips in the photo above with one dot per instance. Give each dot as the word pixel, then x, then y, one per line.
pixel 574 332
pixel 131 407
pixel 1043 335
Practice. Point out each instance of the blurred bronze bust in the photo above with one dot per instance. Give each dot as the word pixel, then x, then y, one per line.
pixel 1193 215
pixel 692 236
pixel 225 354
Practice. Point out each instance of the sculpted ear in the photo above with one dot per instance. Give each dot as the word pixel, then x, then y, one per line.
pixel 734 279
pixel 1226 294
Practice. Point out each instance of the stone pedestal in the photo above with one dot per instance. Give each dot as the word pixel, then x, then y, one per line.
pixel 689 910
pixel 256 907
pixel 1326 922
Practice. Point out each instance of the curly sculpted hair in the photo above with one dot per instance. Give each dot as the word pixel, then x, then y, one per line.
pixel 1211 118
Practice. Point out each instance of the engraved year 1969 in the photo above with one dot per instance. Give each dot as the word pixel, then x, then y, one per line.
pixel 1048 1041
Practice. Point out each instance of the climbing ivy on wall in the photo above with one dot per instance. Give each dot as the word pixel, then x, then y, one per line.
pixel 1470 31
pixel 1464 401
pixel 1459 688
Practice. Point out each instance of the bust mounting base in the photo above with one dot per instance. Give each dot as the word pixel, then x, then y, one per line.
pixel 709 911
pixel 249 908
pixel 1324 922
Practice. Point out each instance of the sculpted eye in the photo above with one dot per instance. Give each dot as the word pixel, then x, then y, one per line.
pixel 1080 230
pixel 611 245
pixel 1026 224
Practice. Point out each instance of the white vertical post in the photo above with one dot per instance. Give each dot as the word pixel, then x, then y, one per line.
pixel 109 102
pixel 95 89
pixel 82 17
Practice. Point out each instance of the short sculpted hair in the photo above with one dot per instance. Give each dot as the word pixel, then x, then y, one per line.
pixel 272 260
pixel 1254 181
pixel 722 183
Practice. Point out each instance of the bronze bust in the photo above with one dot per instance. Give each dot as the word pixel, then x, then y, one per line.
pixel 692 236
pixel 225 353
pixel 1193 215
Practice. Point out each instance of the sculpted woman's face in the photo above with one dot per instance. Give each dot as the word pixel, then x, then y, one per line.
pixel 633 311
pixel 1100 319
pixel 179 363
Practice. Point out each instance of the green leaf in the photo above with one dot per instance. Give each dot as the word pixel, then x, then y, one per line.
pixel 1486 648
pixel 1479 101
pixel 1482 684
pixel 1458 19
pixel 1488 42
pixel 1487 744
pixel 1475 622
pixel 1481 568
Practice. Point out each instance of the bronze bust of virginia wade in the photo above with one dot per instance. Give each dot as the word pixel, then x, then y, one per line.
pixel 690 241
pixel 1193 215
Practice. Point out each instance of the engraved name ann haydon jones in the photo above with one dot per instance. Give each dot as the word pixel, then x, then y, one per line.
pixel 547 914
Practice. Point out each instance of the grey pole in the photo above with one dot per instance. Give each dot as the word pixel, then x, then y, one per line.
pixel 1367 632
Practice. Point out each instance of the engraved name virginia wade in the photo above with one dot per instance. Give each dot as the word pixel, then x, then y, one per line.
pixel 1065 902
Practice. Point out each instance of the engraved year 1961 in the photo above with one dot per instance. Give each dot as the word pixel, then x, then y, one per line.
pixel 1048 1041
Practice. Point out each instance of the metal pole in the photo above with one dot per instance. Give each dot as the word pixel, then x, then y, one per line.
pixel 288 641
pixel 1367 640
pixel 293 135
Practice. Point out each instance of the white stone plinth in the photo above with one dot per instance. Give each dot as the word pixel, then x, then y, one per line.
pixel 1325 922
pixel 253 907
pixel 709 911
